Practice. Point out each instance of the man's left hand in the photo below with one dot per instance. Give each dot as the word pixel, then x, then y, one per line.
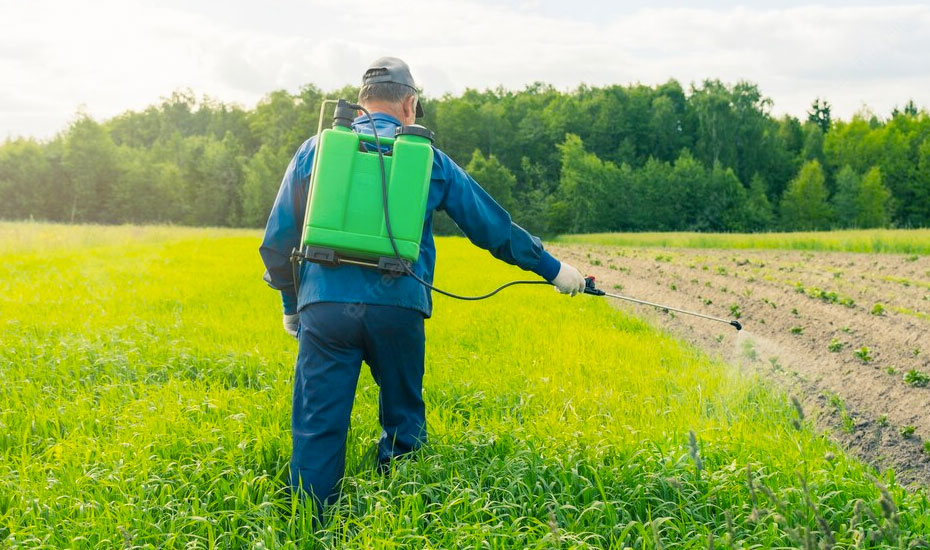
pixel 291 322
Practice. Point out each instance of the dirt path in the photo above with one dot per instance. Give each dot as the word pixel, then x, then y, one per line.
pixel 811 324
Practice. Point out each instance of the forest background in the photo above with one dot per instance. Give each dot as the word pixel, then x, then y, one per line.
pixel 711 157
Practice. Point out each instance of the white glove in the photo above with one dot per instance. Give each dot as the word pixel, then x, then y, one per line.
pixel 290 324
pixel 569 280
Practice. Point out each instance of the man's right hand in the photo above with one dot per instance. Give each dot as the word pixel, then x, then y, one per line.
pixel 569 280
pixel 291 323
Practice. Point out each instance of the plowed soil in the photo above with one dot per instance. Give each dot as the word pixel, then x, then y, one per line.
pixel 839 331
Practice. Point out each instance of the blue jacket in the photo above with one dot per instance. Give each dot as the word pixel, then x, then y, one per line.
pixel 484 222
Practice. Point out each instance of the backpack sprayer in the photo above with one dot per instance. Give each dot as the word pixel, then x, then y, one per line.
pixel 346 223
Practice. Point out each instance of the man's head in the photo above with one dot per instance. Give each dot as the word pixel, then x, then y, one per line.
pixel 388 87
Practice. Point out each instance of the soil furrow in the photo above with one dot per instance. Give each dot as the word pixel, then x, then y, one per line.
pixel 828 345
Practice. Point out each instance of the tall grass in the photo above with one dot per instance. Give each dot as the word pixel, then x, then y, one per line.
pixel 145 386
pixel 904 241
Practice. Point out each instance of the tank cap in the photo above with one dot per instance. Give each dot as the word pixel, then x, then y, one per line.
pixel 343 114
pixel 415 130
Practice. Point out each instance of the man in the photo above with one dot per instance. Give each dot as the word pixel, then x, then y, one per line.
pixel 344 315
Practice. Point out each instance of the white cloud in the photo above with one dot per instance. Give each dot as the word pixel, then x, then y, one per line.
pixel 115 55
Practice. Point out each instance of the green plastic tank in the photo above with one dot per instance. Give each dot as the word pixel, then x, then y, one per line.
pixel 345 214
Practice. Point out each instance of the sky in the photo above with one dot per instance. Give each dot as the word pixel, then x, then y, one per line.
pixel 103 57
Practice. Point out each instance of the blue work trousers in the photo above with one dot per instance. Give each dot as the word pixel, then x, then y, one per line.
pixel 334 340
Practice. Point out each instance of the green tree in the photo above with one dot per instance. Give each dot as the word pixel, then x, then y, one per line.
pixel 496 128
pixel 680 200
pixel 819 114
pixel 813 146
pixel 804 205
pixel 716 124
pixel 26 181
pixel 532 191
pixel 459 131
pixel 92 163
pixel 493 177
pixel 754 134
pixel 873 201
pixel 723 202
pixel 281 121
pixel 592 194
pixel 651 206
pixel 918 209
pixel 846 199
pixel 148 191
pixel 212 177
pixel 758 213
pixel 910 109
pixel 791 133
pixel 733 126
pixel 580 192
pixel 262 176
pixel 275 120
pixel 665 128
pixel 673 127
pixel 896 149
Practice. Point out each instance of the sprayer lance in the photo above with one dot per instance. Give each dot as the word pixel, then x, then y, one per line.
pixel 589 288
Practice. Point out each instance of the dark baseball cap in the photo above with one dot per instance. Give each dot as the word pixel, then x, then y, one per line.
pixel 391 69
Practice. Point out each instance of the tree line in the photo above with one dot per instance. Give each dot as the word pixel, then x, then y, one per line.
pixel 613 158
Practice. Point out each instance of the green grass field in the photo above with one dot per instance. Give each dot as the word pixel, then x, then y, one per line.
pixel 145 386
pixel 904 241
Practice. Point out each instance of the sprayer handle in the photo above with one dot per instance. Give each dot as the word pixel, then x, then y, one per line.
pixel 589 287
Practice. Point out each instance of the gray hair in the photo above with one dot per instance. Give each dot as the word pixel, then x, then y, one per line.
pixel 389 92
